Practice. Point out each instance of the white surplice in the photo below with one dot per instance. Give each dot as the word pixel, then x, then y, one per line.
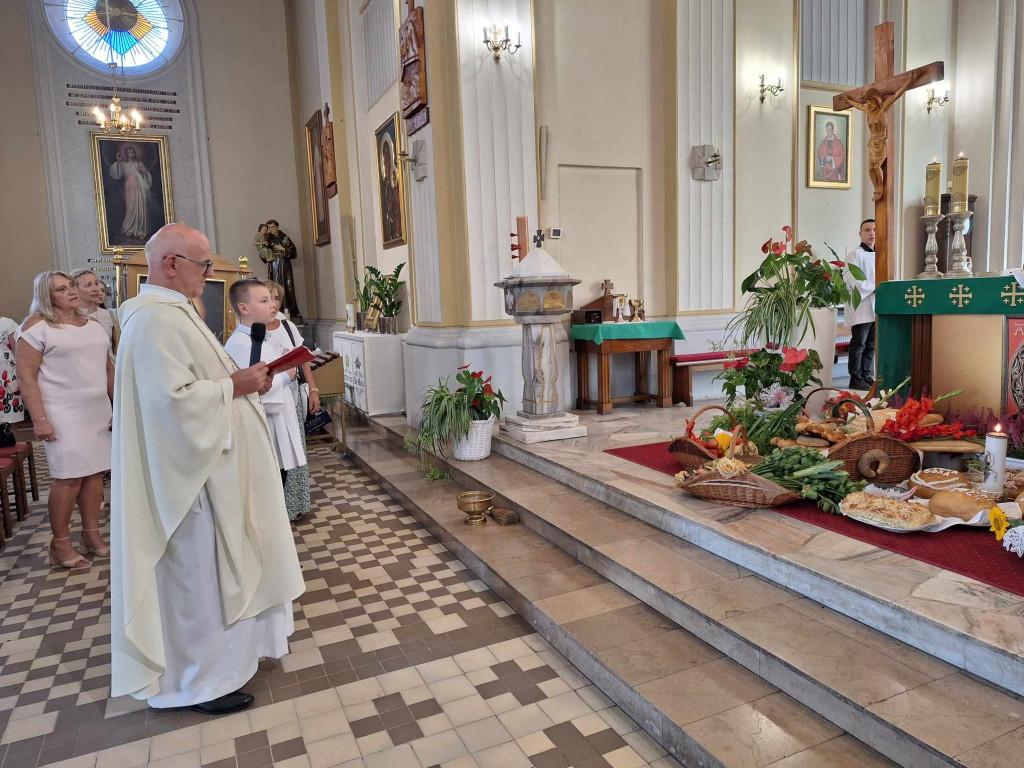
pixel 279 401
pixel 203 564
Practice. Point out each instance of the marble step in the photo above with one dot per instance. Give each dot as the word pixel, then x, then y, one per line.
pixel 905 703
pixel 704 708
pixel 971 625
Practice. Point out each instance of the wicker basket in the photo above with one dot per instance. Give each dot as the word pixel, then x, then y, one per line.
pixel 903 459
pixel 746 490
pixel 688 453
pixel 477 444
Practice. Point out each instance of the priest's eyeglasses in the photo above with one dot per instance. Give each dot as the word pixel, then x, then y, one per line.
pixel 207 264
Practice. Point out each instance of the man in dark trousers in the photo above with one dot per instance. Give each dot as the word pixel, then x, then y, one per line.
pixel 862 318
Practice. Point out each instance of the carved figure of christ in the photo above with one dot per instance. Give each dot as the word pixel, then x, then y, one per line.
pixel 876 100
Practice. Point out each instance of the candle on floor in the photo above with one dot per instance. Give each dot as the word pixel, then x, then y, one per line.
pixel 995 458
pixel 959 201
pixel 932 186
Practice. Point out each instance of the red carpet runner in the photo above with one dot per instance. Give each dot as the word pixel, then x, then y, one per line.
pixel 972 552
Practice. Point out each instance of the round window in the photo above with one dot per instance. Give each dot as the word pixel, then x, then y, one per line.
pixel 140 36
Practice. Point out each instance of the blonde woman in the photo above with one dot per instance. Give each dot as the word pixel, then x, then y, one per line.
pixel 93 293
pixel 283 330
pixel 67 382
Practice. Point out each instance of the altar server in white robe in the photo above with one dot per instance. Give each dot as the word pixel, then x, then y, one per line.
pixel 253 303
pixel 203 564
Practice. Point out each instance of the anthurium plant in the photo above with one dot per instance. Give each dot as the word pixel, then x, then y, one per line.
pixel 789 368
pixel 484 401
pixel 789 283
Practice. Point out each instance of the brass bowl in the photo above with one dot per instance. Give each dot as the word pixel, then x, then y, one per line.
pixel 474 504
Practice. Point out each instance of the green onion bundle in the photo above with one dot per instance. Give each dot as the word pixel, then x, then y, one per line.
pixel 810 474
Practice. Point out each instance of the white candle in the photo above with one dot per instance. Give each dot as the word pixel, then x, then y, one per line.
pixel 995 458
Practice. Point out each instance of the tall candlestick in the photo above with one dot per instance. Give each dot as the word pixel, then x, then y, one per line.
pixel 932 185
pixel 995 459
pixel 959 201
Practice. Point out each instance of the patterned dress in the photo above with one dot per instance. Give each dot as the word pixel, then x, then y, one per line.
pixel 296 485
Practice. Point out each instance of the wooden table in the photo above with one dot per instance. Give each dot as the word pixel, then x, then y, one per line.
pixel 641 349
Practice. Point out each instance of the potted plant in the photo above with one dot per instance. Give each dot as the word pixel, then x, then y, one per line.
pixel 463 417
pixel 386 288
pixel 364 294
pixel 793 292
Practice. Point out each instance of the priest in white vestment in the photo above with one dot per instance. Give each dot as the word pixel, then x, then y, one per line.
pixel 203 564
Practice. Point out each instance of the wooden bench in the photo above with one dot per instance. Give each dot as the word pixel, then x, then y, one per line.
pixel 683 367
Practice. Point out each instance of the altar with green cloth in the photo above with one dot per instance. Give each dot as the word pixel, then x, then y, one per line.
pixel 607 339
pixel 952 334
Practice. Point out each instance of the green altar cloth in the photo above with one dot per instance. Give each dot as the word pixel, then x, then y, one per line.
pixel 655 329
pixel 904 351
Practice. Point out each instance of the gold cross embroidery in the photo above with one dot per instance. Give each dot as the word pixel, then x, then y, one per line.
pixel 914 296
pixel 961 296
pixel 1011 295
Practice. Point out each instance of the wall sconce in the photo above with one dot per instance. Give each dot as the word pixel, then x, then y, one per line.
pixel 498 44
pixel 764 89
pixel 934 102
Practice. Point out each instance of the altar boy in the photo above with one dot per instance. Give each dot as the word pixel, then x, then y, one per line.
pixel 253 304
pixel 861 319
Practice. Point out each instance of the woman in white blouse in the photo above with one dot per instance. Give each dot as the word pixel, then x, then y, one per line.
pixel 93 293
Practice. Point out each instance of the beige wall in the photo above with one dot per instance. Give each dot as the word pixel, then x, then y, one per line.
pixel 26 249
pixel 605 88
pixel 764 132
pixel 245 50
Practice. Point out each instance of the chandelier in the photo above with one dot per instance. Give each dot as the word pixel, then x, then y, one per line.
pixel 113 120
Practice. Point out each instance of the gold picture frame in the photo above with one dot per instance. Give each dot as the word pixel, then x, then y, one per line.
pixel 372 318
pixel 132 185
pixel 829 154
pixel 391 182
pixel 319 215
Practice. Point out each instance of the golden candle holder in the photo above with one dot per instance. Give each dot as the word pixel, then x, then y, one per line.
pixel 475 504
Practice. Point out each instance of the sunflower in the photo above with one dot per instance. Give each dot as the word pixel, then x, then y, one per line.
pixel 997 522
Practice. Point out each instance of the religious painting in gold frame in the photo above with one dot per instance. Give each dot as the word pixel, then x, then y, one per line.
pixel 391 182
pixel 132 188
pixel 319 215
pixel 829 147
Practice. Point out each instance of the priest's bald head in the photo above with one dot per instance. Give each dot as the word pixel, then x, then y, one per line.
pixel 179 259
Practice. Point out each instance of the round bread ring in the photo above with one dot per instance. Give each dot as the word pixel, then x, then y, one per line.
pixel 873 463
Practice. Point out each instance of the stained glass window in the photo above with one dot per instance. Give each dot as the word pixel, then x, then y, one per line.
pixel 139 35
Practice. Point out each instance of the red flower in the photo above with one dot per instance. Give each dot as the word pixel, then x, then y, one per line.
pixel 839 264
pixel 737 364
pixel 828 277
pixel 778 248
pixel 478 375
pixel 766 246
pixel 793 357
pixel 487 380
pixel 476 401
pixel 488 390
pixel 463 367
pixel 789 233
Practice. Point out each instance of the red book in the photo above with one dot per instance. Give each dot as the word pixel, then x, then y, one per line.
pixel 289 360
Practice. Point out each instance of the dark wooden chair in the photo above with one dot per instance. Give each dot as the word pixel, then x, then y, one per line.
pixel 8 477
pixel 22 454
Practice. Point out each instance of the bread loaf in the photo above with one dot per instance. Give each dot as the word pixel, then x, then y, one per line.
pixel 891 513
pixel 964 504
pixel 928 482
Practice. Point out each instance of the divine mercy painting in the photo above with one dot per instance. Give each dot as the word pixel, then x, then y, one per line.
pixel 132 181
pixel 830 150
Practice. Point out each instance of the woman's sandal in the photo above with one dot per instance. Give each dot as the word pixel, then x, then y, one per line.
pixel 72 563
pixel 90 549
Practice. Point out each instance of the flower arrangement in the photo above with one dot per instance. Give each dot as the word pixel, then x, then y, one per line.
pixel 789 283
pixel 484 401
pixel 917 420
pixel 791 369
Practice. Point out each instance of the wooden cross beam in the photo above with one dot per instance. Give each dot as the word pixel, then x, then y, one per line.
pixel 876 100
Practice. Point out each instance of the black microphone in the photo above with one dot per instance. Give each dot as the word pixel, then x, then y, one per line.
pixel 258 332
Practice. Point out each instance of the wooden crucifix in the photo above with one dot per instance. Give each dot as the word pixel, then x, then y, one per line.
pixel 876 100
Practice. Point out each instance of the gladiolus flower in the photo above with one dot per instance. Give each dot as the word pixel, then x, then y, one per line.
pixel 766 246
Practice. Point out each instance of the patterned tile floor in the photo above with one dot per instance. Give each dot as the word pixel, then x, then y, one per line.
pixel 400 658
